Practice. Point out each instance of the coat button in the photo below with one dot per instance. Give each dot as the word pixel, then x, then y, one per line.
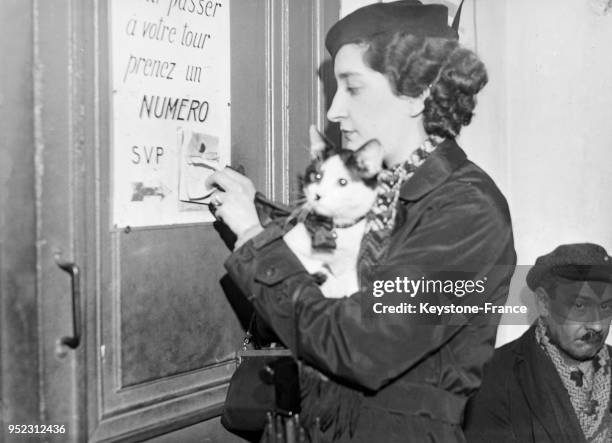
pixel 270 271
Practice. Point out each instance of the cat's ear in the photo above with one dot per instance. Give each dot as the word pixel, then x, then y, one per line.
pixel 369 158
pixel 317 143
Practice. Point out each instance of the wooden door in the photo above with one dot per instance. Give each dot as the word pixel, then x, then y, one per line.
pixel 157 334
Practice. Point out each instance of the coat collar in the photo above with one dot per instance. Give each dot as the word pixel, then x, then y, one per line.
pixel 548 400
pixel 447 157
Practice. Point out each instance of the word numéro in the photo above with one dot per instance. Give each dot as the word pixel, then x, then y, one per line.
pixel 170 108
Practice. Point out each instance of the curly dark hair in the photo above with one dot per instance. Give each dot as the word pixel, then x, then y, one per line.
pixel 412 64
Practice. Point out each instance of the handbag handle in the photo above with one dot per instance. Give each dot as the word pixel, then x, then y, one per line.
pixel 246 341
pixel 272 351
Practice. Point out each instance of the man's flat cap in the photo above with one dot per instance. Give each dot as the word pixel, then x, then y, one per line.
pixel 578 262
pixel 409 16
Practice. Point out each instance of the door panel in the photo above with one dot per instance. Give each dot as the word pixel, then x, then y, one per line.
pixel 159 334
pixel 59 140
pixel 170 294
pixel 168 335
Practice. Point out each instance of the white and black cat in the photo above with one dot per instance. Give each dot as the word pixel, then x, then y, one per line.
pixel 340 185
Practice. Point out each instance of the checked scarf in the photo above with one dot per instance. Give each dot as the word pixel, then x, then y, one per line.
pixel 588 386
pixel 381 219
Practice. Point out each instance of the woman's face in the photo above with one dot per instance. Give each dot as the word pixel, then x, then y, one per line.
pixel 366 107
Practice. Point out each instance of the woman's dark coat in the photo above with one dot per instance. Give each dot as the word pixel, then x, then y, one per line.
pixel 413 380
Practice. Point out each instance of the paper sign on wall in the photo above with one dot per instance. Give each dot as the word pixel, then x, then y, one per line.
pixel 170 108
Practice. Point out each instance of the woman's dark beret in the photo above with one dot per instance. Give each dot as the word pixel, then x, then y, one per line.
pixel 577 262
pixel 409 16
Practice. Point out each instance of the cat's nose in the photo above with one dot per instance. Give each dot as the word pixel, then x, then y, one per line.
pixel 317 197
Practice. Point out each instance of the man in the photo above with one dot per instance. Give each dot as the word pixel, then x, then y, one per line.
pixel 553 383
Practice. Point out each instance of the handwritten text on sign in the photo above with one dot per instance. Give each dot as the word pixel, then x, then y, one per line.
pixel 170 107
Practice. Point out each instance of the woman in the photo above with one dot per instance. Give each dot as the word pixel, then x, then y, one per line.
pixel 404 80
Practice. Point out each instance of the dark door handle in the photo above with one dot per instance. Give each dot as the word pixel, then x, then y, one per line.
pixel 73 270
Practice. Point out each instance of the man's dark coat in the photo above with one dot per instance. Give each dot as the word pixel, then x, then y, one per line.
pixel 522 399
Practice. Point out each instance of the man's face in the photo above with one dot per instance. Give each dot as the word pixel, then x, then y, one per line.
pixel 579 315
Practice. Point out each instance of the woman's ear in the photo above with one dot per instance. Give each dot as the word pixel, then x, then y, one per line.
pixel 417 104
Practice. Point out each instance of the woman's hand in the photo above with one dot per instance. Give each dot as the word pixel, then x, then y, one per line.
pixel 234 203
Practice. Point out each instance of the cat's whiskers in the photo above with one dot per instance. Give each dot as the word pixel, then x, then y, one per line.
pixel 296 196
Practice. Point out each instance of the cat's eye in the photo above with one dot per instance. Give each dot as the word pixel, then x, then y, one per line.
pixel 342 182
pixel 314 177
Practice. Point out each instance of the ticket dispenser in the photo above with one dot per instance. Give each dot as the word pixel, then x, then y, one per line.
pixel 119 327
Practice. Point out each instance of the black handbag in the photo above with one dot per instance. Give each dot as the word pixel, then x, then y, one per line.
pixel 265 381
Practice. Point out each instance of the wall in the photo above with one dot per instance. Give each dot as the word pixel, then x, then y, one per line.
pixel 18 310
pixel 558 131
pixel 484 140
